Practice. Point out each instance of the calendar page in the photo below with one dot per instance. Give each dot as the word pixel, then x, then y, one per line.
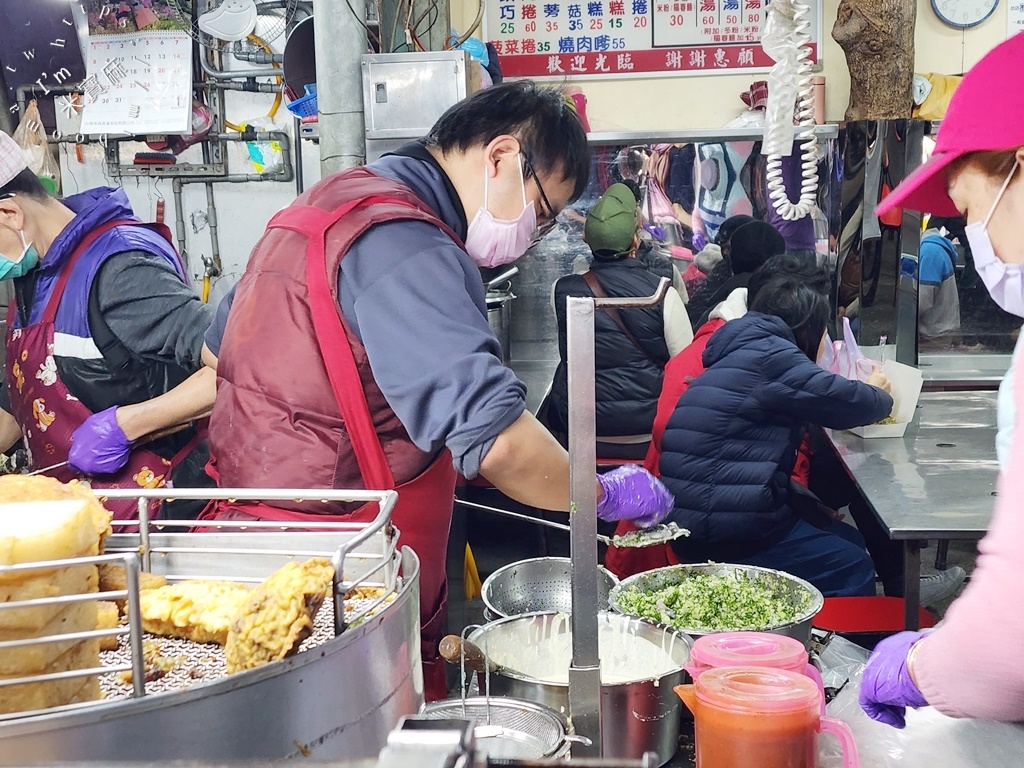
pixel 138 82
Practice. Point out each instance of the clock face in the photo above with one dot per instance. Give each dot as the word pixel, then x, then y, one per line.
pixel 963 13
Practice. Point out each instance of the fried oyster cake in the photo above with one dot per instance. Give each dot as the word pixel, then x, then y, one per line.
pixel 201 611
pixel 278 615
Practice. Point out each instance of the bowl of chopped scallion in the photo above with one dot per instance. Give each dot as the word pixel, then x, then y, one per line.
pixel 719 597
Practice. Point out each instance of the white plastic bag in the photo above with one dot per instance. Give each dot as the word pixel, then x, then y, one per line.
pixel 843 357
pixel 31 137
pixel 266 156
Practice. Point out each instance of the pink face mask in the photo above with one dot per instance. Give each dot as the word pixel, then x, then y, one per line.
pixel 491 242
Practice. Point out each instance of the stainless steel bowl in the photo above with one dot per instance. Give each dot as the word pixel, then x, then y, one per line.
pixel 786 584
pixel 541 584
pixel 639 716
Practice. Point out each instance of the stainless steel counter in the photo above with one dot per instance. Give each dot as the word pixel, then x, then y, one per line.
pixel 936 482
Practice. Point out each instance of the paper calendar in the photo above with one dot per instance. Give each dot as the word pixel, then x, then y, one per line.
pixel 138 83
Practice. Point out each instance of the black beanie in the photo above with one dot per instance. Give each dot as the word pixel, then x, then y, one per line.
pixel 753 244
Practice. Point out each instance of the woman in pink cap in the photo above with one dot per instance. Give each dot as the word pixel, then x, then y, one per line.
pixel 977 171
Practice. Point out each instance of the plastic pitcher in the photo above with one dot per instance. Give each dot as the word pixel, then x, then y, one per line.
pixel 757 716
pixel 752 649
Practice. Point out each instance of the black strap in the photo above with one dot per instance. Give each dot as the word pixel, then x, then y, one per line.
pixel 595 288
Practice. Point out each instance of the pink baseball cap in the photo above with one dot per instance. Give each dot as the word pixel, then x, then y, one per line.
pixel 12 159
pixel 985 113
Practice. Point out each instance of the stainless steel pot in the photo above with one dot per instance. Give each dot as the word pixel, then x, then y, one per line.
pixel 638 716
pixel 499 317
pixel 540 584
pixel 660 578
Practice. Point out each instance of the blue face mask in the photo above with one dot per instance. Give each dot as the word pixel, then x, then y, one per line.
pixel 10 268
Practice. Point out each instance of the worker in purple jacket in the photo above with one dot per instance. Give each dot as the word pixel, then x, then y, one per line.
pixel 102 317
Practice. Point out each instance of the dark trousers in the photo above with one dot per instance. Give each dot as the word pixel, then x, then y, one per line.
pixel 832 559
pixel 831 483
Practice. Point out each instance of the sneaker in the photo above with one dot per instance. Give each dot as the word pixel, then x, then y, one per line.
pixel 941 586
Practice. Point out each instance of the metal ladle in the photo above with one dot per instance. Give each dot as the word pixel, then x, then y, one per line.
pixel 645 537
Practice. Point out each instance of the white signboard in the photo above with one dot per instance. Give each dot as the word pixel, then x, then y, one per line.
pixel 590 38
pixel 1014 17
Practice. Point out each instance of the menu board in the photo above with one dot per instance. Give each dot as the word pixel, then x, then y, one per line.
pixel 601 38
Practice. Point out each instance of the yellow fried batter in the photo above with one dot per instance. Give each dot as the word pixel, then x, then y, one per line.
pixel 278 615
pixel 21 488
pixel 201 611
pixel 114 579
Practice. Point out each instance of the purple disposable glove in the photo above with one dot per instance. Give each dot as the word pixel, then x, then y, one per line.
pixel 633 493
pixel 886 689
pixel 99 446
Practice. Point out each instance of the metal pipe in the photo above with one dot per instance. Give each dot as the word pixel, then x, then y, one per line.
pixel 300 182
pixel 220 74
pixel 211 220
pixel 252 87
pixel 585 669
pixel 340 41
pixel 179 221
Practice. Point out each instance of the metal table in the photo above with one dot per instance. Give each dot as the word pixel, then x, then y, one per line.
pixel 936 482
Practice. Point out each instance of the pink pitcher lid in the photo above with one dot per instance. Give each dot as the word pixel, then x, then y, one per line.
pixel 749 649
pixel 757 689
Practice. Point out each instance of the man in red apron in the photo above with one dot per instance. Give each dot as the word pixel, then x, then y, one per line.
pixel 357 354
pixel 102 317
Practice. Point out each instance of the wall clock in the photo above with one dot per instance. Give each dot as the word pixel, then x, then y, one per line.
pixel 962 14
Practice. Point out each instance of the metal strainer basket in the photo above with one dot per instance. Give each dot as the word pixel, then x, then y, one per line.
pixel 541 584
pixel 506 728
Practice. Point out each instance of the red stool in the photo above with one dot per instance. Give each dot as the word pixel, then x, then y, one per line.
pixel 867 620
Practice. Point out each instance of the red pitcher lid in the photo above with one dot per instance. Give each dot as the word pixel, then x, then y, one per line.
pixel 749 649
pixel 757 689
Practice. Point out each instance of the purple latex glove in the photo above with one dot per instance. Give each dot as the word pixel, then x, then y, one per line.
pixel 633 493
pixel 886 689
pixel 99 446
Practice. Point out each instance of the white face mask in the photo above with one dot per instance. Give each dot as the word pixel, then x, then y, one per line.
pixel 1005 282
pixel 491 242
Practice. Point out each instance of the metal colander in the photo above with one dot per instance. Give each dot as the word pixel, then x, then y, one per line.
pixel 541 584
pixel 507 728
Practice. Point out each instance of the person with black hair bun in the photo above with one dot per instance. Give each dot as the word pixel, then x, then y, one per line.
pixel 102 320
pixel 730 445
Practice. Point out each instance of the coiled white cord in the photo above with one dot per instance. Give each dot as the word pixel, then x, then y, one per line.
pixel 788 22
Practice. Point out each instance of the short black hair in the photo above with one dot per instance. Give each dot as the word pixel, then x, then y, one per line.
pixel 788 264
pixel 25 184
pixel 799 306
pixel 542 118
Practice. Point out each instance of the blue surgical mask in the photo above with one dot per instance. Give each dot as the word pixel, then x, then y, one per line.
pixel 1005 282
pixel 13 268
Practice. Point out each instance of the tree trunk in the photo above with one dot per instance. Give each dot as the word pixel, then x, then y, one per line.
pixel 877 37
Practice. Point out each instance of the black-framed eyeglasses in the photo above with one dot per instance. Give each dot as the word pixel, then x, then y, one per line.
pixel 548 225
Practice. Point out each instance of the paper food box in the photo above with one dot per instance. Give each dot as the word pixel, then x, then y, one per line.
pixel 907 382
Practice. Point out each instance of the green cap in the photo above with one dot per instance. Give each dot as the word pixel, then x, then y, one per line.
pixel 611 222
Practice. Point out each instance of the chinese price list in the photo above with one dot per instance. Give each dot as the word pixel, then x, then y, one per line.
pixel 581 38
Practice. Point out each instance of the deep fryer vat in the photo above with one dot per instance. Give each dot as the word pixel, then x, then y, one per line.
pixel 338 699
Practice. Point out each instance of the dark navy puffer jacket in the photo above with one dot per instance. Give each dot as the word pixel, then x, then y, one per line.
pixel 730 445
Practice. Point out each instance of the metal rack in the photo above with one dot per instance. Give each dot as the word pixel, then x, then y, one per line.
pixel 363 555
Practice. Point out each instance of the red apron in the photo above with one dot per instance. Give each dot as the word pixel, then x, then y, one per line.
pixel 423 511
pixel 49 414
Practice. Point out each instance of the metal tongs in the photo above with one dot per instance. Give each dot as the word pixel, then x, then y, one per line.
pixel 645 537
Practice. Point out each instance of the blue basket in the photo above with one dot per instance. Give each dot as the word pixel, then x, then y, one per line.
pixel 305 106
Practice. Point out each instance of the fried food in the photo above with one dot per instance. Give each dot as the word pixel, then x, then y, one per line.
pixel 44 519
pixel 85 654
pixel 154 663
pixel 108 617
pixel 278 615
pixel 201 611
pixel 114 579
pixel 35 658
pixel 74 580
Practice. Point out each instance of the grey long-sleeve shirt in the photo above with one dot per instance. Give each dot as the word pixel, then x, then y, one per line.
pixel 416 302
pixel 151 312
